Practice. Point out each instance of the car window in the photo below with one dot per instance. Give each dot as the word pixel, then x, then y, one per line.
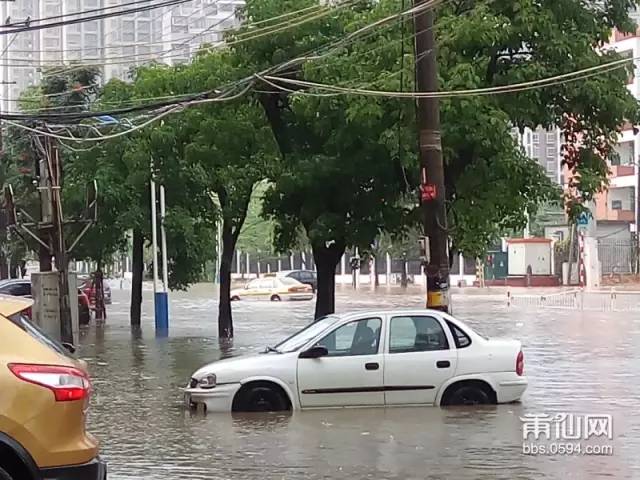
pixel 23 323
pixel 294 275
pixel 254 283
pixel 289 281
pixel 21 289
pixel 307 276
pixel 416 334
pixel 460 338
pixel 302 337
pixel 266 283
pixel 361 337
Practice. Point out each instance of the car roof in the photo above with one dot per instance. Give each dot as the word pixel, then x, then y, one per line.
pixel 10 305
pixel 11 281
pixel 373 313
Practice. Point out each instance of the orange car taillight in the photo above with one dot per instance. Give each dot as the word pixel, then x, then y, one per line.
pixel 68 384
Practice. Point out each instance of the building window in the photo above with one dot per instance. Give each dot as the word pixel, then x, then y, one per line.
pixel 616 204
pixel 536 138
pixel 551 152
pixel 536 151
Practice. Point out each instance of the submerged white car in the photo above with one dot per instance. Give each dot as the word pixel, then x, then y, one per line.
pixel 273 288
pixel 386 358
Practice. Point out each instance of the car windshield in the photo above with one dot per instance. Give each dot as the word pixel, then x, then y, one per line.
pixel 23 322
pixel 297 340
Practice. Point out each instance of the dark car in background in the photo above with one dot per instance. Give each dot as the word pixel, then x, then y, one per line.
pixel 308 277
pixel 21 287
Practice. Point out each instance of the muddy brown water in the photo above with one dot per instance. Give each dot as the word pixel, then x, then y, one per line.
pixel 576 362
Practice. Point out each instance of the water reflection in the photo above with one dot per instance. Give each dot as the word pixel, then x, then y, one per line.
pixel 580 363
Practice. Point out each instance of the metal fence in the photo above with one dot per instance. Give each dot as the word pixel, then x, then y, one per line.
pixel 595 301
pixel 618 257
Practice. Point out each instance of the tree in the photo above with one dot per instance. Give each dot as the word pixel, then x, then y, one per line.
pixel 257 233
pixel 335 152
pixel 490 183
pixel 234 150
pixel 485 44
pixel 125 165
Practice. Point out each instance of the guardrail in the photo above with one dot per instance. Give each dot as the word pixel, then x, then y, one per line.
pixel 579 299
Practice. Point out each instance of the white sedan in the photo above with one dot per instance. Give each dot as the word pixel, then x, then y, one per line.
pixel 273 288
pixel 386 358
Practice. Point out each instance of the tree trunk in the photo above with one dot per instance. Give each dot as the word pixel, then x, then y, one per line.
pixel 326 260
pixel 225 317
pixel 137 268
pixel 98 289
pixel 404 279
pixel 4 268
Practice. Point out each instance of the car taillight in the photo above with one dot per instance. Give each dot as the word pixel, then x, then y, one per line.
pixel 67 383
pixel 520 363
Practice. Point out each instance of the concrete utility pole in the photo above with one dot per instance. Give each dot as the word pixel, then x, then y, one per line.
pixel 432 189
pixel 58 243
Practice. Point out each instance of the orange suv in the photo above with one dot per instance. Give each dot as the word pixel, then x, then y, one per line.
pixel 44 395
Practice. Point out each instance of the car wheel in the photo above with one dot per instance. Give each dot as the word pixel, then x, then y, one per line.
pixel 235 298
pixel 262 398
pixel 4 475
pixel 275 298
pixel 469 395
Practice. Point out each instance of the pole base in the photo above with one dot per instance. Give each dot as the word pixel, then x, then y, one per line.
pixel 162 311
pixel 438 294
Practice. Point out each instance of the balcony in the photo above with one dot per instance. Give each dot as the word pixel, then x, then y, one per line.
pixel 622 170
pixel 616 216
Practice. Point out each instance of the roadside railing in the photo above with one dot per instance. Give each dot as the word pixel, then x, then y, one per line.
pixel 579 299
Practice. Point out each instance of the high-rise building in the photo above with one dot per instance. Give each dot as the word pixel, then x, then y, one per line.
pixel 545 146
pixel 171 34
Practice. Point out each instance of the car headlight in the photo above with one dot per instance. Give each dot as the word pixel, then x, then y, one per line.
pixel 208 381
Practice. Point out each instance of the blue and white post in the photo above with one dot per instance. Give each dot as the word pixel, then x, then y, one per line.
pixel 161 297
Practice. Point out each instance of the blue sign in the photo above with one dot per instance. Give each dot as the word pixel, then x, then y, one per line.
pixel 583 219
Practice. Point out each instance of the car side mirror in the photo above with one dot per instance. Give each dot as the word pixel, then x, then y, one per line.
pixel 70 348
pixel 315 352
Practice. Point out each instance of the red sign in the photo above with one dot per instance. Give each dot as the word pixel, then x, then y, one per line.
pixel 428 192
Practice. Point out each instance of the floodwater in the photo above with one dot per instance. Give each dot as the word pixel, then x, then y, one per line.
pixel 576 362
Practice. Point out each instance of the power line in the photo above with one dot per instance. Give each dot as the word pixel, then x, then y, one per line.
pixel 63 23
pixel 173 109
pixel 248 36
pixel 549 81
pixel 72 14
pixel 256 34
pixel 313 54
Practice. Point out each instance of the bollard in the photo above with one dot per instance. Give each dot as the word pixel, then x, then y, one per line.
pixel 508 298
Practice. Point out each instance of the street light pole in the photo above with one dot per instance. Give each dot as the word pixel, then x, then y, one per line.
pixel 161 304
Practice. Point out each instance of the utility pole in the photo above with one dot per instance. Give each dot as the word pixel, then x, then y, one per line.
pixel 57 240
pixel 46 214
pixel 432 189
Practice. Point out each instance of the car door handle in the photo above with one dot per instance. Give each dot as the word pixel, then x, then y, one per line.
pixel 372 366
pixel 443 364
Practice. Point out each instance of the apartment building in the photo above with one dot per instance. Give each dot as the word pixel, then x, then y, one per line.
pixel 617 208
pixel 545 146
pixel 171 34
